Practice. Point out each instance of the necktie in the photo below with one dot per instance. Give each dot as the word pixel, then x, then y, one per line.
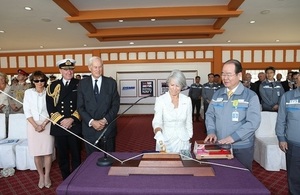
pixel 96 90
pixel 67 83
pixel 229 93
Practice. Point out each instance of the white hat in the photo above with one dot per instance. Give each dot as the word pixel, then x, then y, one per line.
pixel 66 64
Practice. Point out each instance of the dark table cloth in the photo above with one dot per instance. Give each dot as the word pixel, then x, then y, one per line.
pixel 92 179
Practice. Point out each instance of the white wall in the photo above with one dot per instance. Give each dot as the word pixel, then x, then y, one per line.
pixel 202 68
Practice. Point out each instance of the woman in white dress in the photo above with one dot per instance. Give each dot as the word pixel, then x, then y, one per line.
pixel 40 142
pixel 172 122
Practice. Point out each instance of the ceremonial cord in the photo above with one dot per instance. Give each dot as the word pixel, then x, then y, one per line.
pixel 199 161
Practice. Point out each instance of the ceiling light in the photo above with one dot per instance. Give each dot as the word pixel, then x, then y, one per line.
pixel 121 20
pixel 277 40
pixel 131 43
pixel 84 45
pixel 266 11
pixel 153 20
pixel 41 47
pixel 59 28
pixel 2 31
pixel 228 41
pixel 252 22
pixel 28 8
pixel 180 42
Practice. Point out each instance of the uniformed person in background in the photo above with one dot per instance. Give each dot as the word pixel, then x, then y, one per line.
pixel 17 92
pixel 288 134
pixel 52 78
pixel 270 91
pixel 195 94
pixel 208 90
pixel 61 105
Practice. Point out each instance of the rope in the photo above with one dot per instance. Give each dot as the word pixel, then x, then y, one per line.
pixel 211 163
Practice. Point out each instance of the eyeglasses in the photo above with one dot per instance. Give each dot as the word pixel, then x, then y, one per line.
pixel 228 75
pixel 41 81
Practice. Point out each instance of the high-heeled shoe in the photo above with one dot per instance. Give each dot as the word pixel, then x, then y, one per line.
pixel 41 185
pixel 48 185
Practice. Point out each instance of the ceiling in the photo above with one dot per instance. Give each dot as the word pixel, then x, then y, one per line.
pixel 95 23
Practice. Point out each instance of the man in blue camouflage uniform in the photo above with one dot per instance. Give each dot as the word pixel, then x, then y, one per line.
pixel 288 134
pixel 195 95
pixel 233 115
pixel 270 91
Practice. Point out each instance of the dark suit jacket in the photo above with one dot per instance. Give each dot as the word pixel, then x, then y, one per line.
pixel 285 85
pixel 61 103
pixel 257 83
pixel 252 86
pixel 106 107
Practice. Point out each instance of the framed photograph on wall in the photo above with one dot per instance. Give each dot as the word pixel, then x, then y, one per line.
pixel 189 81
pixel 146 87
pixel 162 86
pixel 128 88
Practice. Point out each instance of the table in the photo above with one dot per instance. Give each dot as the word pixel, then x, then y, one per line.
pixel 89 178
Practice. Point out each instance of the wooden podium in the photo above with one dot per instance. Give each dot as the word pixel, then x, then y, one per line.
pixel 161 164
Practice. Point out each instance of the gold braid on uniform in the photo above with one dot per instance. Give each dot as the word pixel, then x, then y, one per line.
pixel 76 114
pixel 55 117
pixel 55 94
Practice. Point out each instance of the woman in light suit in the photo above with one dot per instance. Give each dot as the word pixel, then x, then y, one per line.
pixel 172 122
pixel 40 142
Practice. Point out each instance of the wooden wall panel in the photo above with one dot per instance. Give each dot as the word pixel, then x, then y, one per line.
pixel 161 55
pixel 45 61
pixel 247 56
pixel 226 55
pixel 3 62
pixel 298 56
pixel 123 56
pixel 237 54
pixel 281 57
pixel 251 57
pixel 142 55
pixel 289 55
pixel 22 61
pixel 278 56
pixel 199 55
pixel 257 56
pixel 50 61
pixel 12 62
pixel 190 55
pixel 132 56
pixel 209 54
pixel 40 61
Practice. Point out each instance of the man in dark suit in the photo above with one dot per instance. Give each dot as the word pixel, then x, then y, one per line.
pixel 247 82
pixel 261 77
pixel 61 105
pixel 98 105
pixel 288 83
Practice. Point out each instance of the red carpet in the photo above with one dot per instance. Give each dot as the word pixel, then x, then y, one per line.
pixel 134 135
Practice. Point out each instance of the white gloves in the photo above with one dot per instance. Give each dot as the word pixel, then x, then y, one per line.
pixel 160 142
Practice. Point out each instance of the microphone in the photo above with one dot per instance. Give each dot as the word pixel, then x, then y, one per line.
pixel 186 88
pixel 105 129
pixel 105 161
